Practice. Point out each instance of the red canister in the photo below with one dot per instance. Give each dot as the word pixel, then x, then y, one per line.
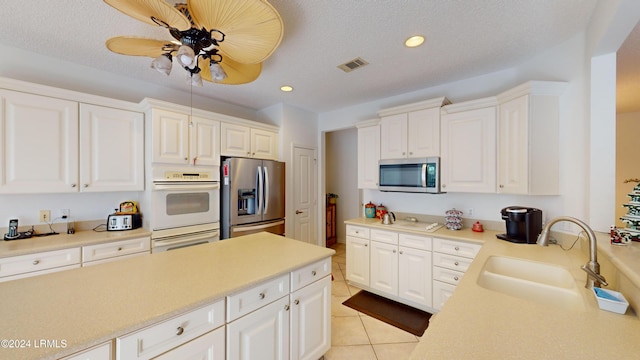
pixel 380 211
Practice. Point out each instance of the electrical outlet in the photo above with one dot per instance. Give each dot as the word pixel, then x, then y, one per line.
pixel 64 214
pixel 470 212
pixel 45 215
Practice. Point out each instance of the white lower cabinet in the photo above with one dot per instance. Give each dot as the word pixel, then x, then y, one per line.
pixel 414 275
pixel 98 352
pixel 170 334
pixel 311 320
pixel 358 255
pixel 451 259
pixel 384 267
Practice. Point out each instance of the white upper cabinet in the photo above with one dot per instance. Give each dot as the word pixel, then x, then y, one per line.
pixel 111 149
pixel 368 154
pixel 244 141
pixel 528 139
pixel 411 131
pixel 178 138
pixel 468 162
pixel 39 149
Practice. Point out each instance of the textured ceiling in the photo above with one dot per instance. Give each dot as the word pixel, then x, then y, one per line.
pixel 465 38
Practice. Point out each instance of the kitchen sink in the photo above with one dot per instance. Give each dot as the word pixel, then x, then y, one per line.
pixel 535 281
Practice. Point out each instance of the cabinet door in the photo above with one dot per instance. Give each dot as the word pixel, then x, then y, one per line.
pixel 311 320
pixel 170 143
pixel 204 142
pixel 423 137
pixel 393 136
pixel 414 275
pixel 441 293
pixel 99 352
pixel 111 149
pixel 358 260
pixel 235 140
pixel 262 334
pixel 513 160
pixel 368 156
pixel 209 346
pixel 264 144
pixel 469 151
pixel 384 267
pixel 38 144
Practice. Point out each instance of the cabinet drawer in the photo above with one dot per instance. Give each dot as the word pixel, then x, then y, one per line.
pixel 98 352
pixel 460 248
pixel 207 347
pixel 39 261
pixel 388 237
pixel 116 248
pixel 415 241
pixel 310 273
pixel 441 293
pixel 451 262
pixel 245 302
pixel 358 231
pixel 156 339
pixel 447 275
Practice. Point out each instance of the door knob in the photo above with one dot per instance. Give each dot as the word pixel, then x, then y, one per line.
pixel 299 212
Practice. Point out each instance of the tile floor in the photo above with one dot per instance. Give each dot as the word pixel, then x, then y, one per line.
pixel 355 335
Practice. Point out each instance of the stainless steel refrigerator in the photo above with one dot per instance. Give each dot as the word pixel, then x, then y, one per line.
pixel 252 197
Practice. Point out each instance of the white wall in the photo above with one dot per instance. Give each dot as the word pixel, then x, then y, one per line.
pixel 341 160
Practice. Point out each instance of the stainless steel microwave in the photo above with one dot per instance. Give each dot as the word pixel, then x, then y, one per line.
pixel 421 175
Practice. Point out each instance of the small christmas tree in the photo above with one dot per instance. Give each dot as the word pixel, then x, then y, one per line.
pixel 632 220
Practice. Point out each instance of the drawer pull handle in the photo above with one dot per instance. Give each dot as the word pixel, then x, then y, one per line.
pixel 313 273
pixel 36 262
pixel 456 263
pixel 455 278
pixel 119 249
pixel 286 307
pixel 261 296
pixel 180 330
pixel 457 248
pixel 296 302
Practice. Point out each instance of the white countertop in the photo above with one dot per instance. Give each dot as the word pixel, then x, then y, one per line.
pixel 90 305
pixel 477 323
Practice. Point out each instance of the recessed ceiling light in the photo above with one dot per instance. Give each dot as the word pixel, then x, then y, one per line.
pixel 286 88
pixel 414 41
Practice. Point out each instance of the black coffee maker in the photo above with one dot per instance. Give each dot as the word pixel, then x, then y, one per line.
pixel 523 224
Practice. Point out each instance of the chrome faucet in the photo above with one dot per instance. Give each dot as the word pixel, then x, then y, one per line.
pixel 592 268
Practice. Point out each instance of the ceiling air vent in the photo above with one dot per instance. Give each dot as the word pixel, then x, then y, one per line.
pixel 353 64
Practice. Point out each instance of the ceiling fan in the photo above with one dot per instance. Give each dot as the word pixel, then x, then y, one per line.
pixel 223 41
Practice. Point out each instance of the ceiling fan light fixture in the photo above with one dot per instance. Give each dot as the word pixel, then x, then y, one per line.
pixel 286 88
pixel 194 79
pixel 186 56
pixel 414 41
pixel 162 63
pixel 217 72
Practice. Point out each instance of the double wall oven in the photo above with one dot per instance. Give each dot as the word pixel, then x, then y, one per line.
pixel 185 207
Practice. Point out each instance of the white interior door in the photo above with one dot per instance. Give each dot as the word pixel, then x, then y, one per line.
pixel 304 194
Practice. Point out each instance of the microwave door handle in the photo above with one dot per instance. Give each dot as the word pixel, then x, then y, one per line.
pixel 265 193
pixel 424 175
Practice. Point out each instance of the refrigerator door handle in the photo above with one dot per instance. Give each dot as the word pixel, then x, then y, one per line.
pixel 265 198
pixel 259 190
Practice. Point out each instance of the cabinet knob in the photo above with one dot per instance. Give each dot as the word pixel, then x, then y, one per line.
pixel 180 330
pixel 254 154
pixel 365 245
pixel 36 262
pixel 85 185
pixel 261 296
pixel 457 248
pixel 410 152
pixel 286 307
pixel 444 185
pixel 296 302
pixel 501 186
pixel 455 278
pixel 403 153
pixel 313 273
pixel 73 185
pixel 401 252
pixel 119 249
pixel 186 159
pixel 456 263
pixel 394 251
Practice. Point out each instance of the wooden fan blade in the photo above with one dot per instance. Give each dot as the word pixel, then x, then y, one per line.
pixel 237 73
pixel 137 46
pixel 143 10
pixel 253 28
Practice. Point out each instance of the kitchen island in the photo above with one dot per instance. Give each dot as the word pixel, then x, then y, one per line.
pixel 478 323
pixel 76 309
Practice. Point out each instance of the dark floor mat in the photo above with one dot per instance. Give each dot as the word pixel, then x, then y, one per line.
pixel 393 313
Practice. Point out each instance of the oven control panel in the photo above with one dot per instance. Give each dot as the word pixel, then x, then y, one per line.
pixel 188 176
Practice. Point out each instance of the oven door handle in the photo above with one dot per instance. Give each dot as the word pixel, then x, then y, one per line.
pixel 186 187
pixel 257 227
pixel 182 239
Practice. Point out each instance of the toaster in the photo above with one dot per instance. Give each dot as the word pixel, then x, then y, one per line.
pixel 117 222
